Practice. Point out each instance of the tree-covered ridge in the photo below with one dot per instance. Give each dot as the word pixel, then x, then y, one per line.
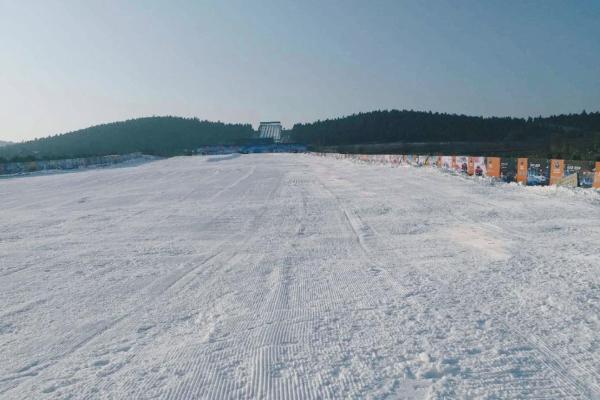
pixel 574 135
pixel 418 126
pixel 152 135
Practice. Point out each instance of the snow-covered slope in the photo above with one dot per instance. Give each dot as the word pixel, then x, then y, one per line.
pixel 295 277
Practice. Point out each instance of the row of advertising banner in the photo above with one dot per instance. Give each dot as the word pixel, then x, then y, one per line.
pixel 15 168
pixel 526 171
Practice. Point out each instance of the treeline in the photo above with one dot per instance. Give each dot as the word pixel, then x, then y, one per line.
pixel 574 136
pixel 163 136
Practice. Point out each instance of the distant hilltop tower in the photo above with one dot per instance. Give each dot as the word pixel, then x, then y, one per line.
pixel 270 130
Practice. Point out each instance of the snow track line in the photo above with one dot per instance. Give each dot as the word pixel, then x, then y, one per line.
pixel 156 288
pixel 554 363
pixel 106 326
pixel 129 217
pixel 358 226
pixel 325 280
pixel 183 272
pixel 551 362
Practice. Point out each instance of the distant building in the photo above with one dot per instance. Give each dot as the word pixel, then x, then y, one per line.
pixel 286 136
pixel 270 130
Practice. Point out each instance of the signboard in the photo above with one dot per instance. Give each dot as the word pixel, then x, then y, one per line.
pixel 522 170
pixel 596 184
pixel 557 170
pixel 479 167
pixel 462 164
pixel 448 162
pixel 492 166
pixel 470 166
pixel 568 181
pixel 537 172
pixel 584 171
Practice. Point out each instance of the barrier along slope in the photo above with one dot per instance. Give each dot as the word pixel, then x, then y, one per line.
pixel 526 171
pixel 17 168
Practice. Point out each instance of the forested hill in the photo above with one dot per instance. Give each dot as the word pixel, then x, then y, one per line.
pixel 575 135
pixel 151 135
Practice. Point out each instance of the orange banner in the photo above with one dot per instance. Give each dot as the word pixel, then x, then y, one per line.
pixel 522 170
pixel 557 171
pixel 493 166
pixel 596 184
pixel 454 164
pixel 470 166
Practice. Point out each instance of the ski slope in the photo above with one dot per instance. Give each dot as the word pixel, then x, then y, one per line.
pixel 295 277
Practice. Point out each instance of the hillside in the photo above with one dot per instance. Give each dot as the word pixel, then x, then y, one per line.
pixel 3 143
pixel 569 136
pixel 573 136
pixel 153 135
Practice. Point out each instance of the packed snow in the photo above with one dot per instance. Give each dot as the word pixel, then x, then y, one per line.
pixel 295 277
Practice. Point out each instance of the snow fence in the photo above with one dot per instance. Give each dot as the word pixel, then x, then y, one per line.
pixel 15 168
pixel 527 171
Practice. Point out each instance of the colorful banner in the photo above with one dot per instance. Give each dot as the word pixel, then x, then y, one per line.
pixel 584 171
pixel 568 181
pixel 537 172
pixel 462 164
pixel 526 171
pixel 522 171
pixel 479 167
pixel 508 169
pixel 492 167
pixel 557 170
pixel 448 162
pixel 470 166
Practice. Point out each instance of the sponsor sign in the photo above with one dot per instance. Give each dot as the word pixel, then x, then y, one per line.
pixel 479 167
pixel 462 164
pixel 557 170
pixel 522 170
pixel 584 171
pixel 537 172
pixel 492 166
pixel 470 166
pixel 448 162
pixel 597 176
pixel 568 181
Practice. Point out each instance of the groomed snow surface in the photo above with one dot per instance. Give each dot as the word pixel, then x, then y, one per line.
pixel 295 277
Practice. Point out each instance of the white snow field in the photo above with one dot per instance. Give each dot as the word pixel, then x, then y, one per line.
pixel 295 277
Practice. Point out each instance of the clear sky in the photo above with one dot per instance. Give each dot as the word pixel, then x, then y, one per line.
pixel 67 64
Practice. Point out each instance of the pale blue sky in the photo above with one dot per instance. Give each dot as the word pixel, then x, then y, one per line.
pixel 65 65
